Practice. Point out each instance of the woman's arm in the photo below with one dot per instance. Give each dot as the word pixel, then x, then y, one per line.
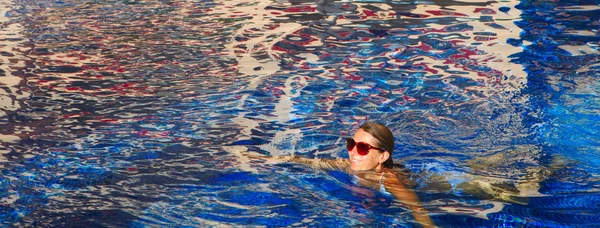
pixel 407 196
pixel 317 163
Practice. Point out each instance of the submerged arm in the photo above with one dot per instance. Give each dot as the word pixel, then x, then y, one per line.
pixel 318 163
pixel 408 197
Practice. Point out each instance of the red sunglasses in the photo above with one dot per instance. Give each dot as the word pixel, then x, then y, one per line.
pixel 361 147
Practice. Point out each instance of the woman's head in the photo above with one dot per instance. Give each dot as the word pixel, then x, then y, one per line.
pixel 377 141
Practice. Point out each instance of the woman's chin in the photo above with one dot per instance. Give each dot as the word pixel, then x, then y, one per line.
pixel 355 164
pixel 357 167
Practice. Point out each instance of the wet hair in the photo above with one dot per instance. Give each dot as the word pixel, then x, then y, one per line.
pixel 384 137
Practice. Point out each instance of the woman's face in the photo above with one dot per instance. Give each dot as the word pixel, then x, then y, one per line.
pixel 373 160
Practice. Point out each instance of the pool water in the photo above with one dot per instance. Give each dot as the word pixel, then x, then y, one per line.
pixel 139 113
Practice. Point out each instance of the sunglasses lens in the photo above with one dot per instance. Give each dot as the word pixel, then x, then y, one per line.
pixel 362 149
pixel 350 143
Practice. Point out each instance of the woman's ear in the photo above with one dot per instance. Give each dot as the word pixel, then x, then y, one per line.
pixel 384 157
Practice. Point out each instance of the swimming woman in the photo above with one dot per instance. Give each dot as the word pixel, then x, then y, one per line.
pixel 370 151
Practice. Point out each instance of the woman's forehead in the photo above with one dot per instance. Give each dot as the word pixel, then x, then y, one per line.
pixel 363 136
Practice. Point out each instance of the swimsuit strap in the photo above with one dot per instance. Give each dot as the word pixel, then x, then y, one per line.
pixel 381 186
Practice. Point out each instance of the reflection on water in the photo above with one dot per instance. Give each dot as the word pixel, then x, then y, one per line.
pixel 121 113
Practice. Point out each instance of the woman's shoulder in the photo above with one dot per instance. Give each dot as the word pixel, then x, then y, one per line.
pixel 400 174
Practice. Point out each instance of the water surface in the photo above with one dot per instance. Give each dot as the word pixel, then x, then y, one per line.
pixel 133 113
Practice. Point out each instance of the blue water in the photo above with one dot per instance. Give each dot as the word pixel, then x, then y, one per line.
pixel 134 113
